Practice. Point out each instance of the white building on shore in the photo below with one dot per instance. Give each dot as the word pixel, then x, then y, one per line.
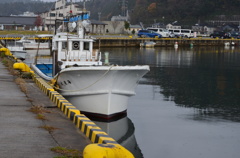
pixel 60 11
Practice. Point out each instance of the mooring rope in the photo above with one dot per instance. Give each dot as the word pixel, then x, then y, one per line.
pixel 86 86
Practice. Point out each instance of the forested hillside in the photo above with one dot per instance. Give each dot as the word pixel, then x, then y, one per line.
pixel 16 7
pixel 183 11
pixel 12 1
pixel 146 11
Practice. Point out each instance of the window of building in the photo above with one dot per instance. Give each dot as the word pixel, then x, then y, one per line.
pixel 52 14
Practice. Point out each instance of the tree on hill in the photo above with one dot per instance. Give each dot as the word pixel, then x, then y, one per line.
pixel 38 21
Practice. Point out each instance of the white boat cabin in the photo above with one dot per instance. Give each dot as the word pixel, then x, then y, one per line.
pixel 74 51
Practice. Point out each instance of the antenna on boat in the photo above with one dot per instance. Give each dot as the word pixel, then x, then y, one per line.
pixel 71 9
pixel 84 5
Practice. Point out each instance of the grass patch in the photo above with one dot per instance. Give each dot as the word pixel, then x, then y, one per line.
pixel 22 84
pixel 50 129
pixel 2 55
pixel 41 117
pixel 8 62
pixel 67 153
pixel 26 75
pixel 38 110
pixel 5 62
pixel 30 100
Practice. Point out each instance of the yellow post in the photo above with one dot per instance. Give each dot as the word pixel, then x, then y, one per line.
pixel 6 51
pixel 22 66
pixel 106 151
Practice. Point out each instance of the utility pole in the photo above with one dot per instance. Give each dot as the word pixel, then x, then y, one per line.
pixel 124 6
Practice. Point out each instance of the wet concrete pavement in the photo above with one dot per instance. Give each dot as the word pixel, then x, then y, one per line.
pixel 21 135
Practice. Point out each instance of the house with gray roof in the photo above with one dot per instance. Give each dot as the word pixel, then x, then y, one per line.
pixel 17 23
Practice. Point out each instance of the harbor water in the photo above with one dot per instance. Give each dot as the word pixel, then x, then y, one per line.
pixel 187 106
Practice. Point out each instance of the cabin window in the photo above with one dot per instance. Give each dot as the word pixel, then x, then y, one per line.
pixel 86 46
pixel 75 45
pixel 64 45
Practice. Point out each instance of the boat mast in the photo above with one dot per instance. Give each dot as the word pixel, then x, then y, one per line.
pixel 84 6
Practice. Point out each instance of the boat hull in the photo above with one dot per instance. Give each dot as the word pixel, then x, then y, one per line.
pixel 101 91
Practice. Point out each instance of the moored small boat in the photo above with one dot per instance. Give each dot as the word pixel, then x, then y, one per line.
pixel 147 44
pixel 36 42
pixel 17 50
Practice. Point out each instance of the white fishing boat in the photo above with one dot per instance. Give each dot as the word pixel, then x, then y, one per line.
pixel 36 42
pixel 96 89
pixel 16 49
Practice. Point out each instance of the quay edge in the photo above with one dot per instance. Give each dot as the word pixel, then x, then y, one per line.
pixel 135 42
pixel 161 42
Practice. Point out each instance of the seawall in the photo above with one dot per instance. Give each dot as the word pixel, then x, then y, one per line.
pixel 135 42
pixel 129 41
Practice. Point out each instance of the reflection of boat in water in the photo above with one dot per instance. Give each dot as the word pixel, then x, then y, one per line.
pixel 122 131
pixel 94 88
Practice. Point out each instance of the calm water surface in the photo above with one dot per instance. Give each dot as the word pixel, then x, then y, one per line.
pixel 188 105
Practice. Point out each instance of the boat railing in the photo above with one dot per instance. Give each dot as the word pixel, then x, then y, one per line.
pixel 95 55
pixel 78 56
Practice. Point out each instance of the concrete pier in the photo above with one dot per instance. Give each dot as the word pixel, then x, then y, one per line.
pixel 21 132
pixel 54 130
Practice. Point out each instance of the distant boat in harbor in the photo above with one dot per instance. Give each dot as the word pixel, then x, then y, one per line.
pixel 36 42
pixel 147 44
pixel 17 49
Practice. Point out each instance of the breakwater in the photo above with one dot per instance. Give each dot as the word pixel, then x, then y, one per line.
pixel 135 42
